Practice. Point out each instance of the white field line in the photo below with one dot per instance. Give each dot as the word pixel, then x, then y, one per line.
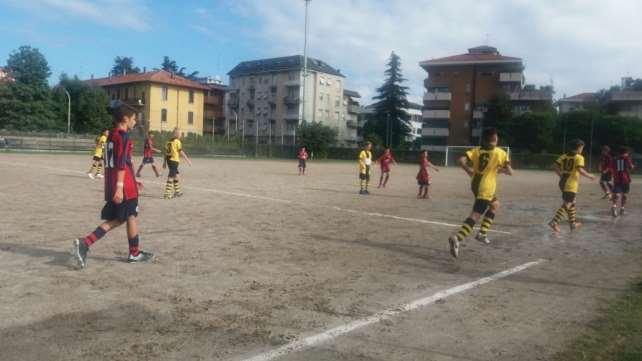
pixel 277 200
pixel 335 332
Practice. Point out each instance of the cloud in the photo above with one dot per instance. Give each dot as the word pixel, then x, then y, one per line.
pixel 580 45
pixel 129 14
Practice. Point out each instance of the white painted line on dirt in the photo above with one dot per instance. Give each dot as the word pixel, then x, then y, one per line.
pixel 333 333
pixel 284 201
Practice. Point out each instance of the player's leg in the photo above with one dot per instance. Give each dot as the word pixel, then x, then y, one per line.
pixel 155 169
pixel 571 209
pixel 421 190
pixel 135 253
pixel 81 245
pixel 616 200
pixel 177 186
pixel 169 187
pixel 487 222
pixel 466 228
pixel 93 168
pixel 381 179
pixel 367 183
pixel 385 180
pixel 425 194
pixel 140 168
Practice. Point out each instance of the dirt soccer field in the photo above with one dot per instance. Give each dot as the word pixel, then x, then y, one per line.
pixel 256 263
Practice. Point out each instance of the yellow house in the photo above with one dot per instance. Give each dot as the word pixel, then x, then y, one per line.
pixel 168 100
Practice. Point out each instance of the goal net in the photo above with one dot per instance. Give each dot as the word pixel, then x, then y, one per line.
pixel 453 152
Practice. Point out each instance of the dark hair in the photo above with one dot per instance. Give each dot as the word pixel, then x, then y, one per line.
pixel 623 150
pixel 119 110
pixel 487 134
pixel 606 148
pixel 576 143
pixel 105 129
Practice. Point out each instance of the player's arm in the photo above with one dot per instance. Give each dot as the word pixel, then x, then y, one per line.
pixel 586 174
pixel 430 165
pixel 507 169
pixel 156 150
pixel 185 157
pixel 463 163
pixel 558 168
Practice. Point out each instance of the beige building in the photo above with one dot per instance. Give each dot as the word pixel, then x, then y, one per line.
pixel 266 96
pixel 350 112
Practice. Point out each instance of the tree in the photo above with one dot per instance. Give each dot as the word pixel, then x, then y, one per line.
pixel 124 65
pixel 171 66
pixel 390 120
pixel 88 105
pixel 316 137
pixel 499 114
pixel 29 67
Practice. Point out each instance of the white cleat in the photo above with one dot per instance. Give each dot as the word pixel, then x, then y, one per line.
pixel 90 176
pixel 100 176
pixel 454 246
pixel 482 238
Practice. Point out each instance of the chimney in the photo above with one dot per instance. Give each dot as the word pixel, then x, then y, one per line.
pixel 172 75
pixel 144 69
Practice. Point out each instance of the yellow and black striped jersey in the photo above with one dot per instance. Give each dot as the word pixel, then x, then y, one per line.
pixel 486 163
pixel 570 165
pixel 173 150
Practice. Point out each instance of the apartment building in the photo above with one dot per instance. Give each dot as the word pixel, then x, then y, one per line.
pixel 416 121
pixel 266 96
pixel 577 102
pixel 459 87
pixel 214 121
pixel 169 101
pixel 351 112
pixel 625 100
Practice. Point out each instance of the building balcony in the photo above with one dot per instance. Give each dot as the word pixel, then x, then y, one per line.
pixel 436 114
pixel 293 82
pixel 250 103
pixel 437 96
pixel 511 77
pixel 478 114
pixel 292 115
pixel 435 132
pixel 531 95
pixel 291 100
pixel 352 124
pixel 354 109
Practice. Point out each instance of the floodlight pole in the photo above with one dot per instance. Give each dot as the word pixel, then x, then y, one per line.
pixel 68 111
pixel 305 59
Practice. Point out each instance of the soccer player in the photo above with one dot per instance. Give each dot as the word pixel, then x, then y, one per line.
pixel 385 161
pixel 423 178
pixel 121 189
pixel 173 153
pixel 148 155
pixel 621 168
pixel 365 162
pixel 97 165
pixel 303 157
pixel 605 171
pixel 487 161
pixel 569 167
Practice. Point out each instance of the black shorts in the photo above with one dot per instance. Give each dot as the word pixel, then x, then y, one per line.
pixel 423 183
pixel 606 177
pixel 482 205
pixel 173 168
pixel 301 163
pixel 97 159
pixel 621 188
pixel 148 160
pixel 569 197
pixel 112 211
pixel 365 176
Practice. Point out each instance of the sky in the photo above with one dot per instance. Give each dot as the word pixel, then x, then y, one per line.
pixel 575 45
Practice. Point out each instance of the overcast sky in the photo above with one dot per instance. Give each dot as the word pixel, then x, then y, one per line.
pixel 578 45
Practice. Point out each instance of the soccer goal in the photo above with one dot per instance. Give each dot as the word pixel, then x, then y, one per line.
pixel 454 152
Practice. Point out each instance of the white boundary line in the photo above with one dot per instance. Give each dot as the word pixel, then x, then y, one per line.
pixel 284 201
pixel 335 332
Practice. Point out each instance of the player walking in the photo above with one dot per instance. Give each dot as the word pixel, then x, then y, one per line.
pixel 621 168
pixel 385 161
pixel 423 177
pixel 173 153
pixel 97 165
pixel 605 171
pixel 303 158
pixel 569 167
pixel 487 161
pixel 121 189
pixel 148 155
pixel 365 163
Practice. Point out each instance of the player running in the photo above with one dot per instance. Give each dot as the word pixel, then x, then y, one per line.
pixel 423 177
pixel 621 167
pixel 173 153
pixel 303 158
pixel 148 155
pixel 97 165
pixel 487 161
pixel 605 171
pixel 121 189
pixel 365 163
pixel 569 167
pixel 385 161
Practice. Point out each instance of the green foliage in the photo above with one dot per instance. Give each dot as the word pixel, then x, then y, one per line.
pixel 172 67
pixel 390 120
pixel 24 107
pixel 316 137
pixel 124 65
pixel 88 105
pixel 29 67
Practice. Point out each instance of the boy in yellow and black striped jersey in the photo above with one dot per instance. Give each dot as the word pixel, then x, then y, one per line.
pixel 365 165
pixel 487 161
pixel 96 170
pixel 569 167
pixel 173 153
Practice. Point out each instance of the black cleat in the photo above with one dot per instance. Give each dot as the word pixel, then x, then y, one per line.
pixel 141 257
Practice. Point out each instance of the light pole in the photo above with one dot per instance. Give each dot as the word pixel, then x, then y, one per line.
pixel 591 143
pixel 68 110
pixel 305 58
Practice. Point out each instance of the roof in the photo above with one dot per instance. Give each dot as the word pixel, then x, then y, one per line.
pixel 286 63
pixel 580 98
pixel 351 93
pixel 627 95
pixel 156 76
pixel 477 55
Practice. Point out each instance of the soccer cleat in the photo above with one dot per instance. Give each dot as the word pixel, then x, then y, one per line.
pixel 100 176
pixel 366 192
pixel 483 238
pixel 554 226
pixel 614 212
pixel 575 226
pixel 178 194
pixel 453 241
pixel 141 257
pixel 90 176
pixel 622 211
pixel 79 252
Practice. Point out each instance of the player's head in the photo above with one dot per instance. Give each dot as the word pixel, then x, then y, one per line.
pixel 423 154
pixel 368 146
pixel 606 150
pixel 122 114
pixel 490 137
pixel 387 151
pixel 577 145
pixel 623 150
pixel 105 131
pixel 177 133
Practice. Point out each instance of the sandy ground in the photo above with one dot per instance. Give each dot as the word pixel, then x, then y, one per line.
pixel 254 257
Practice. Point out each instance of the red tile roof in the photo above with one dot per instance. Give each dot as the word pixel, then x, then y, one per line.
pixel 476 55
pixel 157 76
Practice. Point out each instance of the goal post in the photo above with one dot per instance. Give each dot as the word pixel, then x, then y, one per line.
pixel 454 152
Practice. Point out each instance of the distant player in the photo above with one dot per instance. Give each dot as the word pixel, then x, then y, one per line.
pixel 365 164
pixel 605 171
pixel 385 161
pixel 148 155
pixel 303 158
pixel 97 165
pixel 569 167
pixel 121 189
pixel 487 161
pixel 173 153
pixel 621 167
pixel 423 177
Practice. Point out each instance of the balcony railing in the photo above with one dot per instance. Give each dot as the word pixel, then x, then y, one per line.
pixel 478 114
pixel 511 77
pixel 531 95
pixel 292 114
pixel 436 114
pixel 437 96
pixel 291 100
pixel 435 132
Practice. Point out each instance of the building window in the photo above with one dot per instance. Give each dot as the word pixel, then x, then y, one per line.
pixel 467 107
pixel 164 115
pixel 467 87
pixel 191 97
pixel 142 97
pixel 118 94
pixel 164 93
pixel 190 118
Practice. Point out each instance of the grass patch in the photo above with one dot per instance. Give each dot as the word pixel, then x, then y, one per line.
pixel 616 336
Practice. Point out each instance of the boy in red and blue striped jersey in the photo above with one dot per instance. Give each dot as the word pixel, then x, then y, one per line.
pixel 621 167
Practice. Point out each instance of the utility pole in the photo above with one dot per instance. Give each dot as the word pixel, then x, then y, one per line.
pixel 305 59
pixel 590 150
pixel 68 111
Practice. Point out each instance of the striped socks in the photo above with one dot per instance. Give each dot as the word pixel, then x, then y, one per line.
pixel 559 215
pixel 177 188
pixel 133 246
pixel 466 229
pixel 487 222
pixel 169 189
pixel 94 236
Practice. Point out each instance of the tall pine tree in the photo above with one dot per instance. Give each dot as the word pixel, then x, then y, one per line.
pixel 390 121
